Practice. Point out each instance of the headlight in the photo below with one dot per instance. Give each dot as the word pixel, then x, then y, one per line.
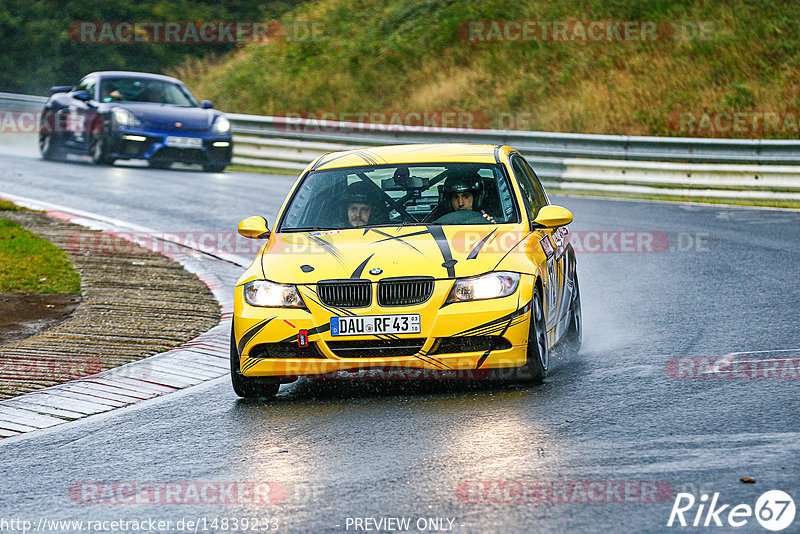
pixel 222 125
pixel 123 117
pixel 270 294
pixel 487 286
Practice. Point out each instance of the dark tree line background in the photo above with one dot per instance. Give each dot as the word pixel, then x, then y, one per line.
pixel 36 51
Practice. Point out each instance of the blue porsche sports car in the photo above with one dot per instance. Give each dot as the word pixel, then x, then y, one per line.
pixel 133 115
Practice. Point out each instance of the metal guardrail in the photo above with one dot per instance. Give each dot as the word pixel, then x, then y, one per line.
pixel 539 144
pixel 652 166
pixel 655 166
pixel 14 102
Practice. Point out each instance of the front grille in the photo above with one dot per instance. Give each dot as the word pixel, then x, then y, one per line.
pixel 455 345
pixel 135 148
pixel 404 291
pixel 376 348
pixel 185 155
pixel 345 293
pixel 283 350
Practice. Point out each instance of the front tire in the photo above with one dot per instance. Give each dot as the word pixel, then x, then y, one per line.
pixel 214 167
pixel 538 362
pixel 49 147
pixel 156 164
pixel 99 151
pixel 249 387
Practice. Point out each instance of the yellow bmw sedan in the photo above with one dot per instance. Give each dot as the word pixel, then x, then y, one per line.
pixel 437 260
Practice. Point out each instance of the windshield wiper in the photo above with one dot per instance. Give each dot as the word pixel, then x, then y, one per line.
pixel 307 228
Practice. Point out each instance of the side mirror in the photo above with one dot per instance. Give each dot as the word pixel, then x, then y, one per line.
pixel 206 104
pixel 61 89
pixel 81 95
pixel 553 217
pixel 254 228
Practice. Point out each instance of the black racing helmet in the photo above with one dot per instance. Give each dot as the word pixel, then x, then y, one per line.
pixel 463 181
pixel 363 193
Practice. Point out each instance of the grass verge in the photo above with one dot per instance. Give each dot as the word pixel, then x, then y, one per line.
pixel 5 205
pixel 706 62
pixel 30 263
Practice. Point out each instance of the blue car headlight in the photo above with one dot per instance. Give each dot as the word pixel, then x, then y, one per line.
pixel 123 117
pixel 222 125
pixel 487 286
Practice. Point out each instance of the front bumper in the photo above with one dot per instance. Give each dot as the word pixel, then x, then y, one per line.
pixel 147 144
pixel 486 334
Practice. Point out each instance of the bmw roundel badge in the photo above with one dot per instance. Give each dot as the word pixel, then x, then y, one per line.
pixel 376 270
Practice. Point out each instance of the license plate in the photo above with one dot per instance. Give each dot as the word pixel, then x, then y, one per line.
pixel 375 324
pixel 184 142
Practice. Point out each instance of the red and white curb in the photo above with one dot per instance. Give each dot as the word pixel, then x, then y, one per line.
pixel 204 358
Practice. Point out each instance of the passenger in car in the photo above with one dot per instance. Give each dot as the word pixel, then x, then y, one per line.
pixel 464 192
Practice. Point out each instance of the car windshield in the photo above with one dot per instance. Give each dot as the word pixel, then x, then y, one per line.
pixel 391 195
pixel 145 90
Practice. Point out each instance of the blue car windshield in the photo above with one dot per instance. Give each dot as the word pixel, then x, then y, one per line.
pixel 400 195
pixel 145 90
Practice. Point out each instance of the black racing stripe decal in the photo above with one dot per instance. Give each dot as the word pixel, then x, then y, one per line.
pixel 324 161
pixel 334 310
pixel 330 248
pixel 375 157
pixel 250 363
pixel 398 238
pixel 486 354
pixel 494 322
pixel 366 156
pixel 441 240
pixel 483 358
pixel 477 248
pixel 360 268
pixel 423 359
pixel 247 336
pixel 431 359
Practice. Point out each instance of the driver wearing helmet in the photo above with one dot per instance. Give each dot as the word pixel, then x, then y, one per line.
pixel 464 192
pixel 361 203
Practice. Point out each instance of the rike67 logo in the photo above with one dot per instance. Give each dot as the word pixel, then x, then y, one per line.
pixel 774 510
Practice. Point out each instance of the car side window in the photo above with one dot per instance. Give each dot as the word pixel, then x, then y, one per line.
pixel 541 195
pixel 532 203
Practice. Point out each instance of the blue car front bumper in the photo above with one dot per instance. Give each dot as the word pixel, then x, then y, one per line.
pixel 183 146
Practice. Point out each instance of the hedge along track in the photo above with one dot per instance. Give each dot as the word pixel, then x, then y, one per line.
pixel 136 303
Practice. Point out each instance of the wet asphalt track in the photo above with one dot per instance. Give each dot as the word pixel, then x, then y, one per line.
pixel 348 450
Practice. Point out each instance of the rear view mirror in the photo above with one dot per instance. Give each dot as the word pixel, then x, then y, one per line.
pixel 553 217
pixel 254 228
pixel 81 95
pixel 206 104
